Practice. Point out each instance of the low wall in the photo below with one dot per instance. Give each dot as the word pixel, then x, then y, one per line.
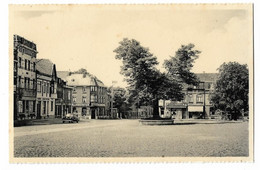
pixel 157 122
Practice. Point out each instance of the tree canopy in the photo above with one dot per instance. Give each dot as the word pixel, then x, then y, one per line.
pixel 145 82
pixel 120 99
pixel 179 66
pixel 232 88
pixel 84 72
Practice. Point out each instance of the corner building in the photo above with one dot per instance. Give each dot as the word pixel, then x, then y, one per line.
pixel 24 81
pixel 89 95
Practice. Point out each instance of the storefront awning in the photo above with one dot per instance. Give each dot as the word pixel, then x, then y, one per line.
pixel 195 108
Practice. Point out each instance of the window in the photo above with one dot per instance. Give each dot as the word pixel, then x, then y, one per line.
pixel 29 65
pixel 33 84
pixel 47 107
pixel 25 82
pixel 25 64
pixel 74 99
pixel 39 86
pixel 28 81
pixel 55 88
pixel 20 62
pixel 199 98
pixel 34 68
pixel 19 81
pixel 93 88
pixel 33 106
pixel 27 106
pixel 162 111
pixel 44 87
pixel 15 80
pixel 44 107
pixel 190 98
pixel 48 88
pixel 84 89
pixel 93 98
pixel 84 99
pixel 52 88
pixel 211 86
pixel 51 105
pixel 74 89
pixel 68 95
pixel 15 66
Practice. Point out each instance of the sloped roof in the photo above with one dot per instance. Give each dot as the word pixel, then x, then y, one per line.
pixel 62 74
pixel 81 80
pixel 207 77
pixel 44 66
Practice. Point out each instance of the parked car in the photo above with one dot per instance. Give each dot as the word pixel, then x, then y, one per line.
pixel 70 118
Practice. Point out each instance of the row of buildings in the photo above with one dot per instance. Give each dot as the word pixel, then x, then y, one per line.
pixel 196 103
pixel 41 92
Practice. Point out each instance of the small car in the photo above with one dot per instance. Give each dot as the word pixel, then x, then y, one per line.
pixel 70 118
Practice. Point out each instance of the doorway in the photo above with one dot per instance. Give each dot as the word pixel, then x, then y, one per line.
pixel 93 114
pixel 38 110
pixel 84 111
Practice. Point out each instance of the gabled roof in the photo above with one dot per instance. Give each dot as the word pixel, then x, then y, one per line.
pixel 79 79
pixel 62 74
pixel 44 66
pixel 207 77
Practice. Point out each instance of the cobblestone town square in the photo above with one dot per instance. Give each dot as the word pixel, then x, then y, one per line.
pixel 128 138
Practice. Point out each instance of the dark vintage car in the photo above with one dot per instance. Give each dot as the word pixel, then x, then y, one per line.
pixel 70 118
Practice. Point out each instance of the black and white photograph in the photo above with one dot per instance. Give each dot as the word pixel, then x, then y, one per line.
pixel 137 83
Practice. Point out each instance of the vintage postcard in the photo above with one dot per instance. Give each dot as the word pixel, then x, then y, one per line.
pixel 131 83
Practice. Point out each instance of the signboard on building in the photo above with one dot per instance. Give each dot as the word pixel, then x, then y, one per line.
pixel 195 108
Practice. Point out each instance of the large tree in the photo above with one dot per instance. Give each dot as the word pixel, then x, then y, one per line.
pixel 179 66
pixel 231 92
pixel 145 82
pixel 120 99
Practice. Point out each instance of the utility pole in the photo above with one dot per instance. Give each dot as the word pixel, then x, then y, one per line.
pixel 204 97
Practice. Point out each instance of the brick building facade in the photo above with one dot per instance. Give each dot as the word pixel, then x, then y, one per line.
pixel 24 81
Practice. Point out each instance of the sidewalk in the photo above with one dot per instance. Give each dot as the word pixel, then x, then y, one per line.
pixel 31 122
pixel 205 121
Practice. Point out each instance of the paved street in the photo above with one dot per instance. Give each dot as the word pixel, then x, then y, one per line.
pixel 128 138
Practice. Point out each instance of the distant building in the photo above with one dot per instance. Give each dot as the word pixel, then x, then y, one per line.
pixel 196 103
pixel 24 81
pixel 46 88
pixel 63 103
pixel 89 95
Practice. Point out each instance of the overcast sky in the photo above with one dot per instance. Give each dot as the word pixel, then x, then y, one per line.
pixel 75 37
